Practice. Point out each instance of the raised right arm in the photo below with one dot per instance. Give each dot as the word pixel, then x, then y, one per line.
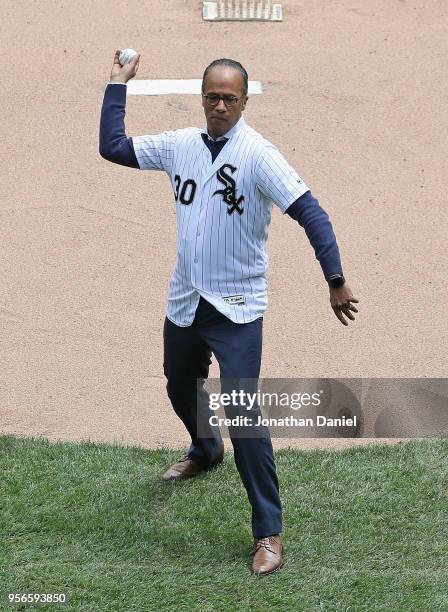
pixel 149 152
pixel 114 145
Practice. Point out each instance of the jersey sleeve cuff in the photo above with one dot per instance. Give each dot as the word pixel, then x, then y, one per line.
pixel 302 188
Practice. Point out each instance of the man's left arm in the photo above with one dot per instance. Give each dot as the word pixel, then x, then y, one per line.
pixel 316 223
pixel 281 183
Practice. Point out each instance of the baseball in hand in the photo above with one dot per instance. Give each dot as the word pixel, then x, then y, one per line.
pixel 126 56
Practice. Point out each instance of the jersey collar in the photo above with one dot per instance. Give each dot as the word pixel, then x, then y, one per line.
pixel 236 128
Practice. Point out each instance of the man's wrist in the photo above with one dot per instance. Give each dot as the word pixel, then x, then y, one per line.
pixel 119 81
pixel 336 280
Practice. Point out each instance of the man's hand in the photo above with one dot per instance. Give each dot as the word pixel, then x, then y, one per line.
pixel 122 74
pixel 340 300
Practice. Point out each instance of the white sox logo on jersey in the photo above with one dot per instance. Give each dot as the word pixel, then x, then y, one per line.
pixel 229 193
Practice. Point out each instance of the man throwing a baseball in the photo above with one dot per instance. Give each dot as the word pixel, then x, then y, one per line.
pixel 225 178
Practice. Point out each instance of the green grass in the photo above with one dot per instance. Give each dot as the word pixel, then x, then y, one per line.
pixel 365 529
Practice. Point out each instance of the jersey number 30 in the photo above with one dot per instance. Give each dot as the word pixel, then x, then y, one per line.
pixel 185 194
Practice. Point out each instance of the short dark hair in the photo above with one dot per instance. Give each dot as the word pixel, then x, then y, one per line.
pixel 232 64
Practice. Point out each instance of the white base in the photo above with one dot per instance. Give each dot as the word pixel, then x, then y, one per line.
pixel 241 10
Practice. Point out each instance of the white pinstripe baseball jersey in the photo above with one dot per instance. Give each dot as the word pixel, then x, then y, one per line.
pixel 223 210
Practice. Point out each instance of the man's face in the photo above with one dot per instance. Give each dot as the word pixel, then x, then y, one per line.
pixel 223 81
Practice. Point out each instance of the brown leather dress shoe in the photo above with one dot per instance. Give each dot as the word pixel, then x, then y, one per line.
pixel 267 555
pixel 188 468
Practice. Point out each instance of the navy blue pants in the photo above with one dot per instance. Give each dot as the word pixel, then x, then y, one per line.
pixel 237 347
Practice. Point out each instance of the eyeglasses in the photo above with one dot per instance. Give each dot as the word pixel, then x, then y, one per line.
pixel 213 100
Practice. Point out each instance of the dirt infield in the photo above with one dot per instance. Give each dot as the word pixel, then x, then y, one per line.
pixel 354 97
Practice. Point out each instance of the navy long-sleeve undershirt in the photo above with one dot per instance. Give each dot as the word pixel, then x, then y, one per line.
pixel 114 145
pixel 317 225
pixel 119 149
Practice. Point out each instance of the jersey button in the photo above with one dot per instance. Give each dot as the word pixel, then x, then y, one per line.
pixel 195 260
